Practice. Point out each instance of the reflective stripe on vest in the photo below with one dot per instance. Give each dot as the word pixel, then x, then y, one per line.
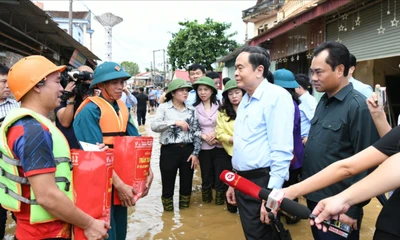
pixel 111 123
pixel 10 179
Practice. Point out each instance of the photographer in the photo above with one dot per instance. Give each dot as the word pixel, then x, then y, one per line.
pixel 74 93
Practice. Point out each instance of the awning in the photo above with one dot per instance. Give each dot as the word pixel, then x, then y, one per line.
pixel 27 29
pixel 290 23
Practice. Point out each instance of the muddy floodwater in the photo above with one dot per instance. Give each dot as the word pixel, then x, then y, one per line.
pixel 200 221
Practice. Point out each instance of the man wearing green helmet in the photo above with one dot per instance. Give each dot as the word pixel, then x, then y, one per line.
pixel 98 120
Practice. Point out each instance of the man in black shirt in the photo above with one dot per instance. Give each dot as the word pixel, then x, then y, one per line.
pixel 387 224
pixel 142 104
pixel 389 145
pixel 342 126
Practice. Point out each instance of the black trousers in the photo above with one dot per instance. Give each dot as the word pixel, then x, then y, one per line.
pixel 212 163
pixel 172 158
pixel 141 116
pixel 249 209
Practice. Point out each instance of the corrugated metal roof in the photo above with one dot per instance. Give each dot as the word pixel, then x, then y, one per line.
pixel 364 41
pixel 25 23
pixel 65 14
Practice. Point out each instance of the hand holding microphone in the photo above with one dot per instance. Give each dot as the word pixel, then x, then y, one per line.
pixel 274 201
pixel 325 212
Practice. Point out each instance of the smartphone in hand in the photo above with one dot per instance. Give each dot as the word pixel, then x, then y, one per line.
pixel 381 93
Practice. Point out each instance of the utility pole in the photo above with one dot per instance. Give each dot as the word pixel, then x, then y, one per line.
pixel 165 73
pixel 70 18
pixel 167 66
pixel 151 70
pixel 154 65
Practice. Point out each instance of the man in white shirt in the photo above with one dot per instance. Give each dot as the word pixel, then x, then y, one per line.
pixel 196 71
pixel 6 103
pixel 363 88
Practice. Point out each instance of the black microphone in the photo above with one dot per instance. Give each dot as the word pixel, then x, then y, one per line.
pixel 249 188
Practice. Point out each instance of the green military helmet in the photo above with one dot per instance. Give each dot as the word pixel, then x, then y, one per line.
pixel 205 81
pixel 177 84
pixel 108 71
pixel 285 79
pixel 231 84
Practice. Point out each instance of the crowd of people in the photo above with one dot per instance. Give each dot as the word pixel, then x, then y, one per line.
pixel 266 127
pixel 302 141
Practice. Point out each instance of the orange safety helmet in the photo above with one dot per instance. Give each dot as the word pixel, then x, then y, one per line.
pixel 27 72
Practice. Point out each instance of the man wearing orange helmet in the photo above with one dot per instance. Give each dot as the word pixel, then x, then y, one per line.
pixel 36 177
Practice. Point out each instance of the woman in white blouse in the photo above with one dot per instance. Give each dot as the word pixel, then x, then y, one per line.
pixel 181 143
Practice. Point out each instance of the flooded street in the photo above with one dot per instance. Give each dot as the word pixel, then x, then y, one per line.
pixel 200 221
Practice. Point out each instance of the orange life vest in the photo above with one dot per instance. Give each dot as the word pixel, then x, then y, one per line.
pixel 111 123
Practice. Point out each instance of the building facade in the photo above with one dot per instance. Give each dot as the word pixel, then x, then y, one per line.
pixel 81 25
pixel 291 30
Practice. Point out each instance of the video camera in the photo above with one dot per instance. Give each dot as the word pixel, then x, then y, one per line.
pixel 81 88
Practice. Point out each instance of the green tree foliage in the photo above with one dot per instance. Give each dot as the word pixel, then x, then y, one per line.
pixel 130 67
pixel 200 43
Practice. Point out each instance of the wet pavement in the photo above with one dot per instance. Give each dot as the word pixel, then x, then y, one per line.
pixel 200 221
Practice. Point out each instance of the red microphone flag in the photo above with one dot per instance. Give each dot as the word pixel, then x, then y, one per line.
pixel 241 184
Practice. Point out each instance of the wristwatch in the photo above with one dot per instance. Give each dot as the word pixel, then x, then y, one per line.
pixel 70 102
